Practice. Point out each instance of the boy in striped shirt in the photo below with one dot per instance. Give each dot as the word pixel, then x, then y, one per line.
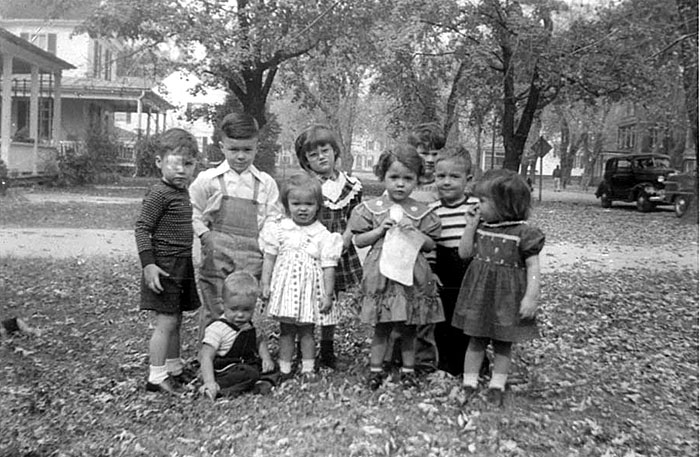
pixel 453 168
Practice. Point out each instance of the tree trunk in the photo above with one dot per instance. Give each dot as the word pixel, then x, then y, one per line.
pixel 514 139
pixel 688 13
pixel 476 170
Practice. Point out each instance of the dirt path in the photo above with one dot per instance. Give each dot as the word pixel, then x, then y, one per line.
pixel 67 243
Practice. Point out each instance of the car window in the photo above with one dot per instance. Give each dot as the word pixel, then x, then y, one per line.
pixel 645 162
pixel 623 165
pixel 662 163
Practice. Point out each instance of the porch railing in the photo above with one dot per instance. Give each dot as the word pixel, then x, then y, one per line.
pixel 124 156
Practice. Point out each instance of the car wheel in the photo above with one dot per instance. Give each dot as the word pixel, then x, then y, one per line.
pixel 680 205
pixel 643 203
pixel 605 200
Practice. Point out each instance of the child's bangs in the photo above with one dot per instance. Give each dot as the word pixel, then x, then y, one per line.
pixel 320 137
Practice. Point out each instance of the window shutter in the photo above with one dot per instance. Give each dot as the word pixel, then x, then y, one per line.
pixel 52 43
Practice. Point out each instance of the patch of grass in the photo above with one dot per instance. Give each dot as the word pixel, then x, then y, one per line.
pixel 21 214
pixel 614 374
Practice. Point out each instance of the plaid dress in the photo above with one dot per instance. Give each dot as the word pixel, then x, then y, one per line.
pixel 340 196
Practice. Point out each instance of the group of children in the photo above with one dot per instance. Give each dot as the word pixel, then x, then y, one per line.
pixel 446 272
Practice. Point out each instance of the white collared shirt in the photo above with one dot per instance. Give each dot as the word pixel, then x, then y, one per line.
pixel 205 193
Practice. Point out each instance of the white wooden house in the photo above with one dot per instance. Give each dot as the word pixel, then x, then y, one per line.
pixel 91 92
pixel 22 61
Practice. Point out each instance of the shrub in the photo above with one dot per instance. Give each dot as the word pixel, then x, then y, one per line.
pixel 92 165
pixel 146 150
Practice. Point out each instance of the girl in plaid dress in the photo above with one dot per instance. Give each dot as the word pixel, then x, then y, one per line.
pixel 318 150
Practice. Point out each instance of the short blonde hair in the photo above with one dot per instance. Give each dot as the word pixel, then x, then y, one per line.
pixel 241 283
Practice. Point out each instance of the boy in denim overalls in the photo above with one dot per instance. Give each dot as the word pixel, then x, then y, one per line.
pixel 230 204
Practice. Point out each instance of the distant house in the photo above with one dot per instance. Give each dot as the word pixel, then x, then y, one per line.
pixel 24 155
pixel 91 91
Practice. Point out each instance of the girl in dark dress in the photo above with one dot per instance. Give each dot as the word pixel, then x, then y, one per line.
pixel 499 294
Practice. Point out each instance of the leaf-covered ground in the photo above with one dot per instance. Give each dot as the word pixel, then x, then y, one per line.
pixel 582 222
pixel 615 374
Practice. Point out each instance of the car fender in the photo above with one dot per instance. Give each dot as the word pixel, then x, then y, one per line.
pixel 602 187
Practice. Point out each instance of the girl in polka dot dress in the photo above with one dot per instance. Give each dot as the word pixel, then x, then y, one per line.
pixel 299 270
pixel 499 293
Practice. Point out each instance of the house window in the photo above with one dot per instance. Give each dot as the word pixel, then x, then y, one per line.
pixel 626 137
pixel 96 58
pixel 108 65
pixel 45 118
pixel 45 41
pixel 653 138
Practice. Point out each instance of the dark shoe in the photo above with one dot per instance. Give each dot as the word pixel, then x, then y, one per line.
pixel 469 393
pixel 409 380
pixel 186 377
pixel 286 376
pixel 495 396
pixel 375 380
pixel 262 388
pixel 310 377
pixel 167 386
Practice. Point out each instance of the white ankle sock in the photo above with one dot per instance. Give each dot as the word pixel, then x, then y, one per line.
pixel 285 367
pixel 174 366
pixel 307 365
pixel 156 375
pixel 498 381
pixel 470 380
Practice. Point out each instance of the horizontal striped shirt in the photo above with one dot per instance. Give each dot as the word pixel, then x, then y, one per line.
pixel 453 222
pixel 164 227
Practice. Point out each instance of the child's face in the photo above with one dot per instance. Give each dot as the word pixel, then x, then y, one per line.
pixel 451 179
pixel 322 160
pixel 399 182
pixel 303 206
pixel 239 153
pixel 239 309
pixel 487 209
pixel 429 156
pixel 177 169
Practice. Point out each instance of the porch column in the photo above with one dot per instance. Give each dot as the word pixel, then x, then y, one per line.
pixel 34 115
pixel 56 108
pixel 157 123
pixel 148 122
pixel 165 118
pixel 6 112
pixel 139 111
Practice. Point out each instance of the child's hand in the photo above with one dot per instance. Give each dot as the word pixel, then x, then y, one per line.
pixel 528 307
pixel 326 304
pixel 386 225
pixel 205 239
pixel 265 291
pixel 210 389
pixel 473 214
pixel 152 274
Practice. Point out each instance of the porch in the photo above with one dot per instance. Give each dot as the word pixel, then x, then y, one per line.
pixel 26 154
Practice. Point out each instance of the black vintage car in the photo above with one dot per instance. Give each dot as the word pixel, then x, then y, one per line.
pixel 680 187
pixel 638 178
